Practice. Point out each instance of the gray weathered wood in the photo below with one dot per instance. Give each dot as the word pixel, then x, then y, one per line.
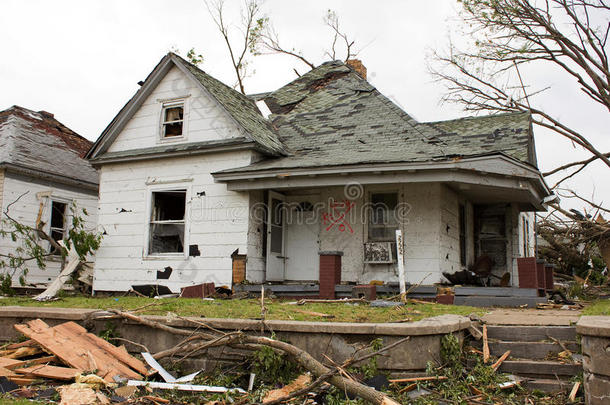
pixel 540 368
pixel 531 333
pixel 528 350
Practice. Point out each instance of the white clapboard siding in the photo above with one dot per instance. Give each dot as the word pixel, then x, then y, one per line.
pixel 25 210
pixel 449 232
pixel 205 120
pixel 217 221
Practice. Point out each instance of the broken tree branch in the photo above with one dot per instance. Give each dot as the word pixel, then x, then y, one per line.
pixel 303 358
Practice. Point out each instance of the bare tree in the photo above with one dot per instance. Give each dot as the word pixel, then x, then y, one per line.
pixel 257 36
pixel 251 24
pixel 568 34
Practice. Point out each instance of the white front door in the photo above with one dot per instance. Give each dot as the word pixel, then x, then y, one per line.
pixel 302 239
pixel 276 232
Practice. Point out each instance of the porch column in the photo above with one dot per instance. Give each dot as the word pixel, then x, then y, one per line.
pixel 330 273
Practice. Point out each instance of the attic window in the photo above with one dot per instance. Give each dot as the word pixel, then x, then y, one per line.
pixel 167 222
pixel 173 119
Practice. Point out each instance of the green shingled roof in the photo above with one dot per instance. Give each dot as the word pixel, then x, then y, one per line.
pixel 242 108
pixel 331 116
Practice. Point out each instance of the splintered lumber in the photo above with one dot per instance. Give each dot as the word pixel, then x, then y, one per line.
pixel 14 377
pixel 10 363
pixel 485 345
pixel 5 372
pixel 25 343
pixel 500 360
pixel 302 381
pixel 52 372
pixel 81 350
pixel 572 396
pixel 24 352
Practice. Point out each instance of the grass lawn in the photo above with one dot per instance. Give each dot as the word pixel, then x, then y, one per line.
pixel 599 307
pixel 250 308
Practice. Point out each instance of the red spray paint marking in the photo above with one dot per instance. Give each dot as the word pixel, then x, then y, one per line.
pixel 338 216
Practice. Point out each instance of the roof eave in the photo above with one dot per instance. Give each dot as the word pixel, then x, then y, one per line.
pixel 172 154
pixel 28 171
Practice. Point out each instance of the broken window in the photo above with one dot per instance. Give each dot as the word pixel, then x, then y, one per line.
pixel 382 219
pixel 58 222
pixel 167 222
pixel 173 119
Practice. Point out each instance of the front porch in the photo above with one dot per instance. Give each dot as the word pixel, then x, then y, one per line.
pixel 453 215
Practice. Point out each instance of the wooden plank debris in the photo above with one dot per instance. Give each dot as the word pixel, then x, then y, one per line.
pixel 83 351
pixel 485 345
pixel 10 363
pixel 500 360
pixel 25 343
pixel 52 372
pixel 23 352
pixel 574 391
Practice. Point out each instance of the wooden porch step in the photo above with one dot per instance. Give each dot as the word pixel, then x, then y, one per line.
pixel 529 350
pixel 540 368
pixel 547 385
pixel 531 333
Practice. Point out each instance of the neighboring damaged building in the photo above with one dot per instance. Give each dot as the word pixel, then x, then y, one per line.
pixel 43 174
pixel 193 176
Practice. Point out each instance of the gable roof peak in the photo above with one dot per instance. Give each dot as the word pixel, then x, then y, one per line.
pixel 239 107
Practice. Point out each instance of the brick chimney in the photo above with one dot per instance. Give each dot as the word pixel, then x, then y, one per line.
pixel 357 65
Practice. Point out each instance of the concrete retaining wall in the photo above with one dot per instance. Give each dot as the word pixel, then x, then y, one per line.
pixel 336 340
pixel 595 341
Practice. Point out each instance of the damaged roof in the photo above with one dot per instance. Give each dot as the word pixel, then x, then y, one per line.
pixel 37 142
pixel 331 116
pixel 258 131
pixel 242 108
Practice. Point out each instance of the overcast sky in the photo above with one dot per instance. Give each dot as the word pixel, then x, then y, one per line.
pixel 81 60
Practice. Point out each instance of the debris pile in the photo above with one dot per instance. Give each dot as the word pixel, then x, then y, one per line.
pixel 66 352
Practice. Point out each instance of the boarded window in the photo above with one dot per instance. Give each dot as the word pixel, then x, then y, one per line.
pixel 58 222
pixel 167 222
pixel 382 217
pixel 173 120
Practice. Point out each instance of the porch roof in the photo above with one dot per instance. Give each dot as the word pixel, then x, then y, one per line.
pixel 485 178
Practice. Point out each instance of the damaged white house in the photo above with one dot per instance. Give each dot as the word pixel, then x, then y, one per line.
pixel 43 176
pixel 193 176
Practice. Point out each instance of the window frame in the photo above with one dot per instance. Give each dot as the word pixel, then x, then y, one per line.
pixel 398 225
pixel 149 221
pixel 51 228
pixel 172 103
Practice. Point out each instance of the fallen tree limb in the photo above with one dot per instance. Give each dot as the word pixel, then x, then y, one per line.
pixel 63 277
pixel 303 358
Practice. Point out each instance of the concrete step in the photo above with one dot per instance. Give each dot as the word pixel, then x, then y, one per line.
pixel 547 385
pixel 492 301
pixel 540 368
pixel 529 350
pixel 531 333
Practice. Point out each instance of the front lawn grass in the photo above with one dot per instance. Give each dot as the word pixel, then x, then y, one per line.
pixel 250 308
pixel 599 307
